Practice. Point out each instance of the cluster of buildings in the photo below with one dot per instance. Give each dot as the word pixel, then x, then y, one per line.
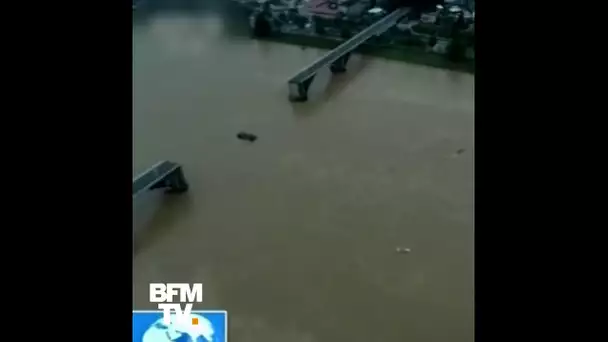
pixel 429 24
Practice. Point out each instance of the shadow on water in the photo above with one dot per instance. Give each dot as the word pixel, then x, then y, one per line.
pixel 339 82
pixel 152 213
pixel 327 86
pixel 233 15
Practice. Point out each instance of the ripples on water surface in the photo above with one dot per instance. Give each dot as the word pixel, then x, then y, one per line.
pixel 295 235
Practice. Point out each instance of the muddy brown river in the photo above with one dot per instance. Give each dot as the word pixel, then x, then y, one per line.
pixel 295 235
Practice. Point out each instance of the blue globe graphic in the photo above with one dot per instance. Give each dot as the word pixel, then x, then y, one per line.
pixel 149 327
pixel 161 332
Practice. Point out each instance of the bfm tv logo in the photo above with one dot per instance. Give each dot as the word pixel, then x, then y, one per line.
pixel 163 295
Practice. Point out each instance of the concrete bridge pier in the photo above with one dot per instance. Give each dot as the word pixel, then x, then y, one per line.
pixel 298 90
pixel 164 175
pixel 339 66
pixel 175 183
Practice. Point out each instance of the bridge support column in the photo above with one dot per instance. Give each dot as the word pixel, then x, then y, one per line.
pixel 298 91
pixel 339 66
pixel 164 175
pixel 174 183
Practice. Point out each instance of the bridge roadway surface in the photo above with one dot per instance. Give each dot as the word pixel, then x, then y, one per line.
pixel 339 57
pixel 348 46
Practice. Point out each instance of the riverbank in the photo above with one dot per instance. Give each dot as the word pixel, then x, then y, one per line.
pixel 235 18
pixel 411 54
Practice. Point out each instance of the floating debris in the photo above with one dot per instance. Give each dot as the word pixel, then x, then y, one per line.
pixel 247 136
pixel 459 152
pixel 402 250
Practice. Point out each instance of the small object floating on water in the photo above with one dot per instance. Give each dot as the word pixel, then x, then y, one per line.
pixel 459 152
pixel 402 250
pixel 247 136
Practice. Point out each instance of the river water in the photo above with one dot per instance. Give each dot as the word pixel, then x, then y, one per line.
pixel 296 234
